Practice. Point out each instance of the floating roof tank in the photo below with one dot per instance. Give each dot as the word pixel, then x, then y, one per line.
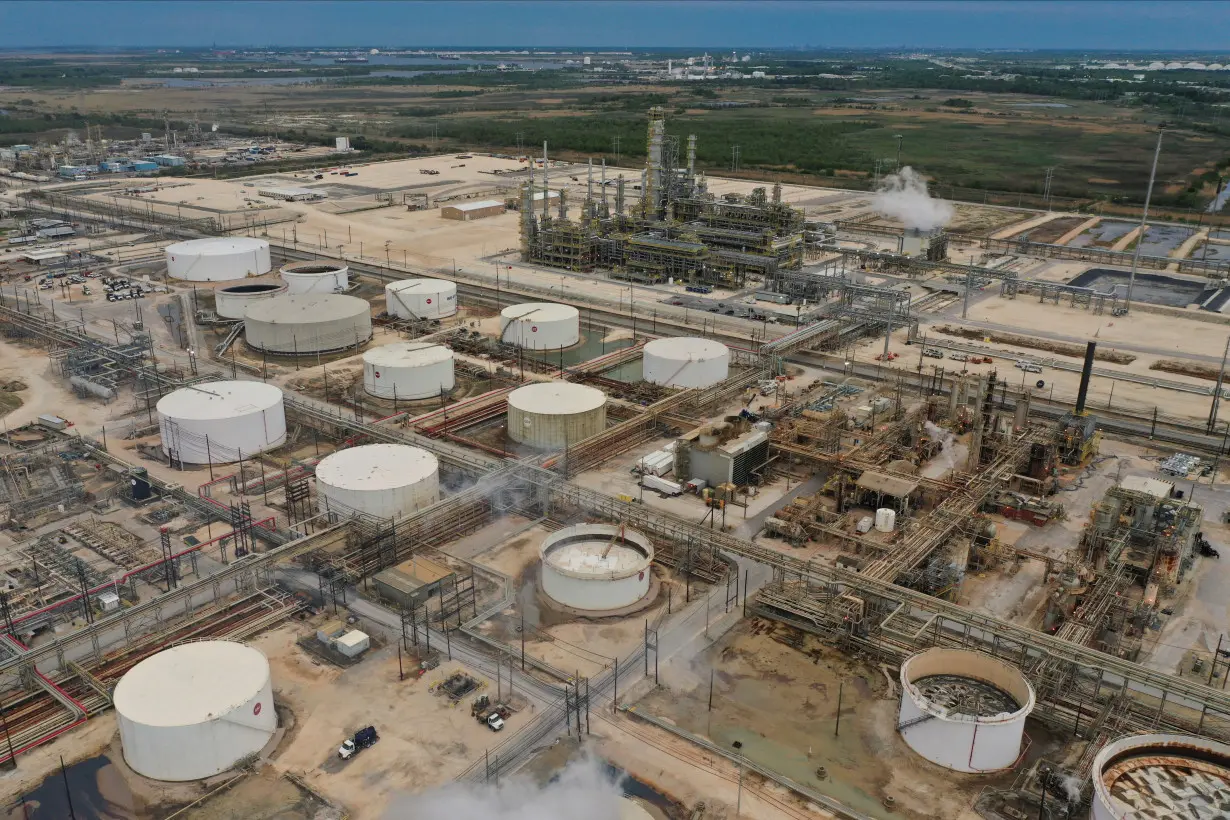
pixel 297 324
pixel 1161 775
pixel 596 567
pixel 408 371
pixel 233 302
pixel 195 710
pixel 686 362
pixel 217 259
pixel 221 422
pixel 555 415
pixel 421 298
pixel 315 277
pixel 540 326
pixel 964 710
pixel 380 480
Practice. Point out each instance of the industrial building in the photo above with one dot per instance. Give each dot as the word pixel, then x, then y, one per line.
pixel 288 194
pixel 466 211
pixel 221 422
pixel 217 259
pixel 411 583
pixel 309 323
pixel 725 453
pixel 383 481
pixel 678 231
pixel 194 710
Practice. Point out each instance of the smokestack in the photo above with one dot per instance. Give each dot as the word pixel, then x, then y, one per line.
pixel 1086 372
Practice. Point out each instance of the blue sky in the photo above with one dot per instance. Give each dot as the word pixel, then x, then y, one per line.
pixel 1063 24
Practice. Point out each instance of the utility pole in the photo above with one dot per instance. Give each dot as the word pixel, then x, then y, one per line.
pixel 899 138
pixel 1221 377
pixel 1046 189
pixel 1144 215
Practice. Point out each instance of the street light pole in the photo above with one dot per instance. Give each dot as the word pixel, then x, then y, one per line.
pixel 1144 215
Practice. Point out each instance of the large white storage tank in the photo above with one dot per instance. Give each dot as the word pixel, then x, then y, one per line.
pixel 555 415
pixel 295 324
pixel 964 710
pixel 195 710
pixel 233 302
pixel 218 259
pixel 1161 775
pixel 381 480
pixel 220 422
pixel 408 370
pixel 540 326
pixel 686 362
pixel 596 567
pixel 421 298
pixel 315 277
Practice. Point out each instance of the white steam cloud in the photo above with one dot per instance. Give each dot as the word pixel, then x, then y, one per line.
pixel 582 790
pixel 903 196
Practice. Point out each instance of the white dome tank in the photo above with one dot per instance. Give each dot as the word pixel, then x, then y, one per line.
pixel 596 567
pixel 315 277
pixel 555 415
pixel 381 480
pixel 1161 775
pixel 195 710
pixel 296 324
pixel 219 422
pixel 540 326
pixel 421 298
pixel 233 302
pixel 686 362
pixel 218 259
pixel 964 710
pixel 408 370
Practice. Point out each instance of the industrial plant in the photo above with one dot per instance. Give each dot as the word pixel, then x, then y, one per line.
pixel 781 501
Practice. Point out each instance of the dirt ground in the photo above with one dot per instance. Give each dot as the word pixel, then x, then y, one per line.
pixel 776 690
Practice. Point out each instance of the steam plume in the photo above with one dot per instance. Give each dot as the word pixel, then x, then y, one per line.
pixel 903 196
pixel 582 790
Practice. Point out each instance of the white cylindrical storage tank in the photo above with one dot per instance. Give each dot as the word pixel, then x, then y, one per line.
pixel 1193 774
pixel 408 370
pixel 596 567
pixel 220 422
pixel 686 362
pixel 233 302
pixel 295 324
pixel 964 710
pixel 195 710
pixel 315 277
pixel 421 298
pixel 381 480
pixel 886 519
pixel 555 415
pixel 218 259
pixel 540 326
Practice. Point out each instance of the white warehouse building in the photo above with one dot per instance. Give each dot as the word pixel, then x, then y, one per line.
pixel 421 298
pixel 380 480
pixel 195 710
pixel 218 259
pixel 540 326
pixel 221 422
pixel 555 415
pixel 408 371
pixel 686 362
